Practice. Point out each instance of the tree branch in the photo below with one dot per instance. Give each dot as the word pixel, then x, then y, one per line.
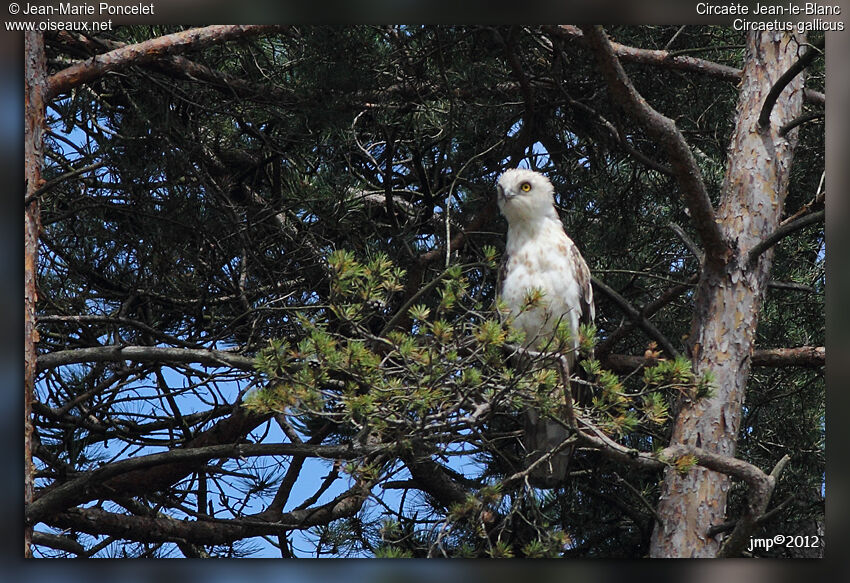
pixel 669 60
pixel 760 493
pixel 61 178
pixel 274 509
pixel 603 349
pixel 95 484
pixel 665 132
pixel 636 317
pixel 228 431
pixel 659 58
pixel 431 477
pixel 689 243
pixel 791 286
pixel 205 532
pixel 618 135
pixel 815 49
pixel 115 320
pixel 730 524
pixel 760 485
pixel 783 231
pixel 61 543
pixel 148 51
pixel 806 117
pixel 145 353
pixel 803 356
pixel 180 67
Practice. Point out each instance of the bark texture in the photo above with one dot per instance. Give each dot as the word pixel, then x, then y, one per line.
pixel 34 83
pixel 729 297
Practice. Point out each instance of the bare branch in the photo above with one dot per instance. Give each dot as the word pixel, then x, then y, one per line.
pixel 432 478
pixel 143 354
pixel 670 60
pixel 61 543
pixel 805 118
pixel 148 51
pixel 95 484
pixel 664 130
pixel 760 493
pixel 62 178
pixel 689 243
pixel 205 532
pixel 273 512
pixel 760 485
pixel 604 348
pixel 659 58
pixel 182 68
pixel 817 201
pixel 783 231
pixel 117 320
pixel 804 61
pixel 803 356
pixel 635 315
pixel 791 286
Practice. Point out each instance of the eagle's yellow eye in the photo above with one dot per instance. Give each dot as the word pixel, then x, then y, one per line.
pixel 525 187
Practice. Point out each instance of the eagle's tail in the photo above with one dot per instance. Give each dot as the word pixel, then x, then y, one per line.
pixel 541 437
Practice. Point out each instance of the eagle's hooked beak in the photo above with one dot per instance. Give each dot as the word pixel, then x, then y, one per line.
pixel 500 192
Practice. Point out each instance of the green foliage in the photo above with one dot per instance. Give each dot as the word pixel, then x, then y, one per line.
pixel 388 552
pixel 587 338
pixel 501 550
pixel 394 384
pixel 685 464
pixel 436 374
pixel 490 256
pixel 622 410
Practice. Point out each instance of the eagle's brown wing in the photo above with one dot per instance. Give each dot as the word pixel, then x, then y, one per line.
pixel 582 272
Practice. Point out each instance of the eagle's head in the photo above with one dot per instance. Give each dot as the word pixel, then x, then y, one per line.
pixel 524 195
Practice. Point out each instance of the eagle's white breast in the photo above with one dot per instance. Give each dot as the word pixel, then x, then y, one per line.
pixel 540 255
pixel 540 260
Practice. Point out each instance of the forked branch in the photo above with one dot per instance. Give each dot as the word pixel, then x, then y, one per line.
pixel 814 50
pixel 665 132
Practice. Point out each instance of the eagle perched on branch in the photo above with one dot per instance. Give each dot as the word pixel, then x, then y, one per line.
pixel 540 257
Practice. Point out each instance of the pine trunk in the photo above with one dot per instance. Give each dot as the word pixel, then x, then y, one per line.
pixel 34 83
pixel 729 296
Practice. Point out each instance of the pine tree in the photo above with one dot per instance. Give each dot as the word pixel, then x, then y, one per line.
pixel 266 262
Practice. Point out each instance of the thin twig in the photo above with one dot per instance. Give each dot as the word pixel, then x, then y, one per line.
pixel 61 178
pixel 451 194
pixel 806 117
pixel 782 232
pixel 689 243
pixel 635 316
